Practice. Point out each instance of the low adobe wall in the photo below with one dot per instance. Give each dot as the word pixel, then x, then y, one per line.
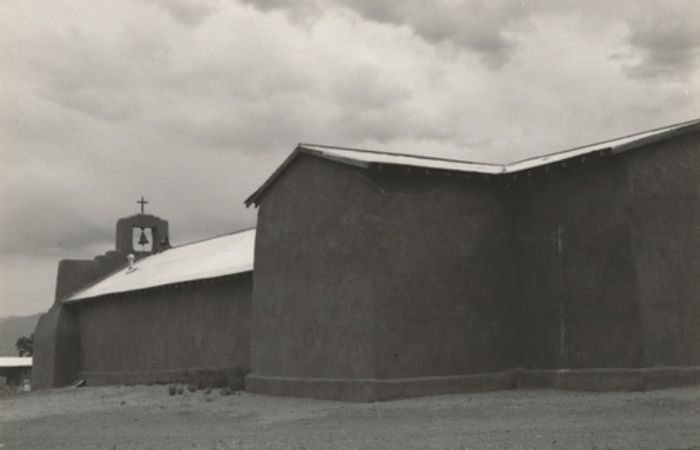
pixel 195 333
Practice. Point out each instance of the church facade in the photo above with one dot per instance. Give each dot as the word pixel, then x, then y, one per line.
pixel 382 275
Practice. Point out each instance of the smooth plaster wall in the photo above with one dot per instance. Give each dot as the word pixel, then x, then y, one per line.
pixel 379 275
pixel 168 334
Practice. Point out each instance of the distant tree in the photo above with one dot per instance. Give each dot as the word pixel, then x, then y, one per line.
pixel 25 345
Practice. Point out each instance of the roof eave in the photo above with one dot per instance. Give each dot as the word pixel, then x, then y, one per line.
pixel 78 299
pixel 515 166
pixel 691 126
pixel 255 197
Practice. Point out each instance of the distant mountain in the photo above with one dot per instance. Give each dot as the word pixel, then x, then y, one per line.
pixel 13 328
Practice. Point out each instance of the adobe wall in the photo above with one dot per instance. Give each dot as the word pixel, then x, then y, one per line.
pixel 56 357
pixel 442 296
pixel 396 290
pixel 577 300
pixel 198 332
pixel 75 274
pixel 580 275
pixel 313 304
pixel 665 218
pixel 609 263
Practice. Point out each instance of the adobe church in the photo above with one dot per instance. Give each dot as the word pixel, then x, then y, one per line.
pixel 384 275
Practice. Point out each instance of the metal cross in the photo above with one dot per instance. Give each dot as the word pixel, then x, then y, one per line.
pixel 143 203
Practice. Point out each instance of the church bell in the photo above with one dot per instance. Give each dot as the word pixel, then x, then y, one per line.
pixel 143 239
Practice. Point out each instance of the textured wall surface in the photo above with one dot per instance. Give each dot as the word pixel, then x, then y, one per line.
pixel 181 333
pixel 75 274
pixel 665 218
pixel 577 296
pixel 384 283
pixel 314 304
pixel 380 276
pixel 56 358
pixel 443 274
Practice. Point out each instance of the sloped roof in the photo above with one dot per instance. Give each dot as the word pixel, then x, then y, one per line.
pixel 366 158
pixel 216 257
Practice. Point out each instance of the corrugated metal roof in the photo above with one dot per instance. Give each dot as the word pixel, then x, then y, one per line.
pixel 365 158
pixel 211 258
pixel 15 361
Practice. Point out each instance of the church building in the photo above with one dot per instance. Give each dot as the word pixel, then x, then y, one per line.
pixel 147 313
pixel 382 275
pixel 385 275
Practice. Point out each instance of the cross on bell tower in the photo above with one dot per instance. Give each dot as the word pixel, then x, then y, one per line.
pixel 142 234
pixel 143 202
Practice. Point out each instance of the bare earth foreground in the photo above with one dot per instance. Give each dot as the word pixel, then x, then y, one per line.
pixel 147 417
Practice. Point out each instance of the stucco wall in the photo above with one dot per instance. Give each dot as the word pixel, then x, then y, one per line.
pixel 379 275
pixel 577 297
pixel 56 358
pixel 665 217
pixel 376 284
pixel 179 333
pixel 442 280
pixel 609 261
pixel 313 307
pixel 75 274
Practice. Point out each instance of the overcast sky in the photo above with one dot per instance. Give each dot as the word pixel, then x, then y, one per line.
pixel 193 103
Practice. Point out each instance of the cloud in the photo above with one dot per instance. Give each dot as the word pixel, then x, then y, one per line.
pixel 194 104
pixel 666 45
pixel 479 26
pixel 190 13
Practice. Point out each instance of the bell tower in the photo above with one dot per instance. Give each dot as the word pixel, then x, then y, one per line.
pixel 142 234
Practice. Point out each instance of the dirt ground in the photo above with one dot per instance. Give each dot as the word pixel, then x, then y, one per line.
pixel 144 417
